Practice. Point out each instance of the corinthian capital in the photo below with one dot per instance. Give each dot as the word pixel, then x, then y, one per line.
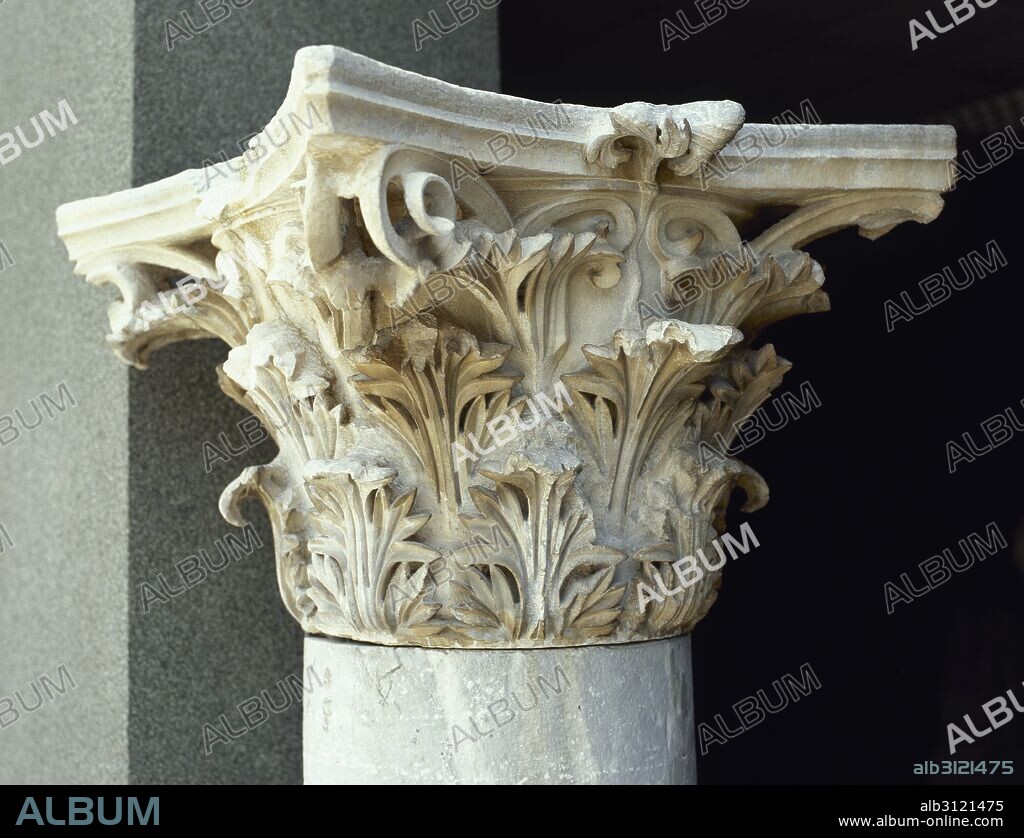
pixel 490 336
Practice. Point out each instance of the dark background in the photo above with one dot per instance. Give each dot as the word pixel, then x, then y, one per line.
pixel 861 490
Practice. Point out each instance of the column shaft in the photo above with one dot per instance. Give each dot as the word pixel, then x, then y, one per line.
pixel 599 714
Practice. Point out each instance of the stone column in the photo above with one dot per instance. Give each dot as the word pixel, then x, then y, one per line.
pixel 503 347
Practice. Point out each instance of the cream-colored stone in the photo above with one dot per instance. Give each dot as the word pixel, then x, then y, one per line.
pixel 434 298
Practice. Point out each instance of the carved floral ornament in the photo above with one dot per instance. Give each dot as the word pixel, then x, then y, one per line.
pixel 480 444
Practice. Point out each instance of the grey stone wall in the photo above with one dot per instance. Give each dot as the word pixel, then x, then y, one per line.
pixel 63 487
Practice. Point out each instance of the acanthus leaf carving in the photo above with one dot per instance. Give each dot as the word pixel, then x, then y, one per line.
pixel 642 388
pixel 523 286
pixel 700 493
pixel 740 386
pixel 393 316
pixel 432 387
pixel 751 293
pixel 558 582
pixel 363 554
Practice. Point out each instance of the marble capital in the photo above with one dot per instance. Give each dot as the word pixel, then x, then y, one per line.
pixel 490 336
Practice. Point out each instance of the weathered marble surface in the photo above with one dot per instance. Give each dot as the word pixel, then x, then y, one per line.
pixel 597 714
pixel 406 272
pixel 493 337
